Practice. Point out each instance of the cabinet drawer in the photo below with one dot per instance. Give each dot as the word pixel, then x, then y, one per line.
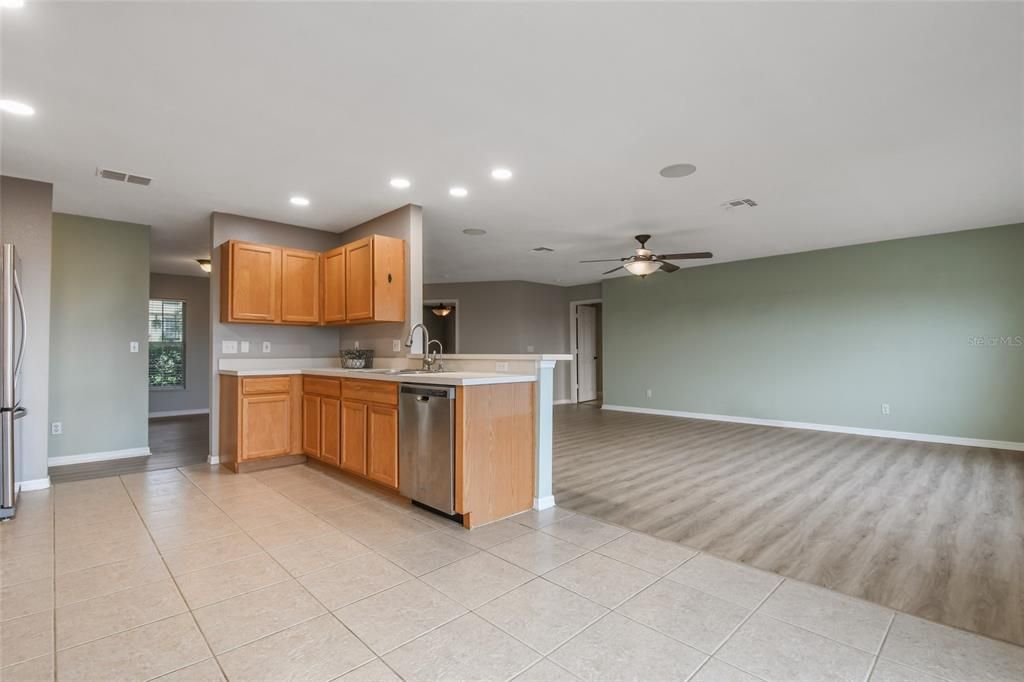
pixel 251 385
pixel 384 392
pixel 322 386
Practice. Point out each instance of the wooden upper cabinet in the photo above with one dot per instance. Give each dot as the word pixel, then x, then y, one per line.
pixel 356 283
pixel 250 282
pixel 359 280
pixel 382 444
pixel 300 286
pixel 334 285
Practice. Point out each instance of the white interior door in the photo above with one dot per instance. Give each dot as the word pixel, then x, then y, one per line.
pixel 586 353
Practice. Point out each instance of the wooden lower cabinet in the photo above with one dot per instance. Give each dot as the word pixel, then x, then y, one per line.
pixel 266 425
pixel 330 430
pixel 382 444
pixel 353 436
pixel 311 425
pixel 260 418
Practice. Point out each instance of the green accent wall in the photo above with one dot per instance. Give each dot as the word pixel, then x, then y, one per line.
pixel 100 293
pixel 932 325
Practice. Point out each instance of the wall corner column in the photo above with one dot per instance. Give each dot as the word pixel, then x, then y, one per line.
pixel 542 494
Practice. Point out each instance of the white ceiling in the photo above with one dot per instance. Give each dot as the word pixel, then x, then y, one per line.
pixel 846 122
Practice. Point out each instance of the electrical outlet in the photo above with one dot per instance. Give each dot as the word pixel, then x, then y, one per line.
pixel 396 345
pixel 229 347
pixel 133 346
pixel 501 367
pixel 266 346
pixel 56 428
pixel 650 393
pixel 885 408
pixel 529 349
pixel 356 346
pixel 244 346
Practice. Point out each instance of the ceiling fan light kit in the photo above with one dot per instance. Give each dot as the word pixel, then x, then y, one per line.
pixel 644 262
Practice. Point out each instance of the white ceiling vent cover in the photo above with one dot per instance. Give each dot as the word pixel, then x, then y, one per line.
pixel 737 203
pixel 121 176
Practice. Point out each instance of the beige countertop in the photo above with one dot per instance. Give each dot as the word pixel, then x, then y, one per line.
pixel 453 378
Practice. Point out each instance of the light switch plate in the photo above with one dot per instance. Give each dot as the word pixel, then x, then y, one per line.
pixel 266 346
pixel 244 346
pixel 229 347
pixel 133 346
pixel 529 349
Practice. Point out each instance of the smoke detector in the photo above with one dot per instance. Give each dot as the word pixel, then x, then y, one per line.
pixel 737 203
pixel 121 176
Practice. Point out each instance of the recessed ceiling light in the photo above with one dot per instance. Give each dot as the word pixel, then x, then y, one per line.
pixel 19 108
pixel 12 4
pixel 678 170
pixel 458 192
pixel 299 201
pixel 501 174
pixel 400 183
pixel 474 231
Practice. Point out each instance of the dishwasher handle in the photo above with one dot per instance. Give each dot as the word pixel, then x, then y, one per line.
pixel 424 392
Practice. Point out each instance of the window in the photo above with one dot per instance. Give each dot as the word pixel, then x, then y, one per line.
pixel 166 344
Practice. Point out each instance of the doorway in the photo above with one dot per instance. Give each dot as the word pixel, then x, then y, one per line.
pixel 441 318
pixel 585 343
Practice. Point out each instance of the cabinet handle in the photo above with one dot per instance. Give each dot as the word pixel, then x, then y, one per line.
pixel 389 278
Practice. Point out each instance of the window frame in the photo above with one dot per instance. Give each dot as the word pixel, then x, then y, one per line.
pixel 184 338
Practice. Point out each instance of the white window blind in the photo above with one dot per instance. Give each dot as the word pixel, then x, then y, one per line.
pixel 166 344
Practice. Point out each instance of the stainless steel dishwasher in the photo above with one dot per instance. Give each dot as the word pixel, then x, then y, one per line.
pixel 426 445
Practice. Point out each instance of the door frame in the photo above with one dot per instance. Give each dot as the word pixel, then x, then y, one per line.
pixel 574 389
pixel 454 302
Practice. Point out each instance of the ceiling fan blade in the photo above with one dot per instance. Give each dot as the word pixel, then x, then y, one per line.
pixel 612 270
pixel 682 256
pixel 669 267
pixel 604 260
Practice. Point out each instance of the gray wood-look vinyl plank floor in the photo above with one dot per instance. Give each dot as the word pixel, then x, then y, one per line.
pixel 931 529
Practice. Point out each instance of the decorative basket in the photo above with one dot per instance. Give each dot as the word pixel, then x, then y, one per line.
pixel 356 358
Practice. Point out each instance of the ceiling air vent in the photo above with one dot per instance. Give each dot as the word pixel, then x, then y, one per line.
pixel 736 203
pixel 543 249
pixel 121 176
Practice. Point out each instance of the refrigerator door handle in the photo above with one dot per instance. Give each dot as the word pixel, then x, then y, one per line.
pixel 24 326
pixel 20 412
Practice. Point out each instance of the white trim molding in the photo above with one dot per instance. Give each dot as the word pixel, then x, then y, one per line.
pixel 98 456
pixel 563 401
pixel 34 484
pixel 213 459
pixel 854 430
pixel 177 413
pixel 541 503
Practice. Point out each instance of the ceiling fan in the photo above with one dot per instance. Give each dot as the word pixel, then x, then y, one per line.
pixel 643 262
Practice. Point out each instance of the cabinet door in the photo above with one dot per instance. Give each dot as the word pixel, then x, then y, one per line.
pixel 311 425
pixel 388 279
pixel 334 285
pixel 353 436
pixel 382 446
pixel 300 286
pixel 359 280
pixel 254 280
pixel 330 430
pixel 266 426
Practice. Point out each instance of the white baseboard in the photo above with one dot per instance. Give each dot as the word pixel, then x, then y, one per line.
pixel 540 503
pixel 177 413
pixel 563 401
pixel 854 430
pixel 98 456
pixel 212 459
pixel 34 484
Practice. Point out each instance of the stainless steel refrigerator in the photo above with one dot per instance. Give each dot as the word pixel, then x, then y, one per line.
pixel 12 353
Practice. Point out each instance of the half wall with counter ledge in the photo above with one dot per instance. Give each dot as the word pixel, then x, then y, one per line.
pixel 278 411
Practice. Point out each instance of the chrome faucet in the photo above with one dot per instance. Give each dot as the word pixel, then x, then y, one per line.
pixel 438 355
pixel 428 359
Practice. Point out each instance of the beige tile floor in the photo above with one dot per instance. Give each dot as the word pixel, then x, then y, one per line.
pixel 198 574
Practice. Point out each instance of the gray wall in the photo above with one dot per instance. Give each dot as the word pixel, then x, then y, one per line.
pixel 513 317
pixel 828 336
pixel 403 223
pixel 100 296
pixel 26 221
pixel 195 291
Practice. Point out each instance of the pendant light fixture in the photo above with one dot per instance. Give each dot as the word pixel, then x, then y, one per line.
pixel 205 264
pixel 442 310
